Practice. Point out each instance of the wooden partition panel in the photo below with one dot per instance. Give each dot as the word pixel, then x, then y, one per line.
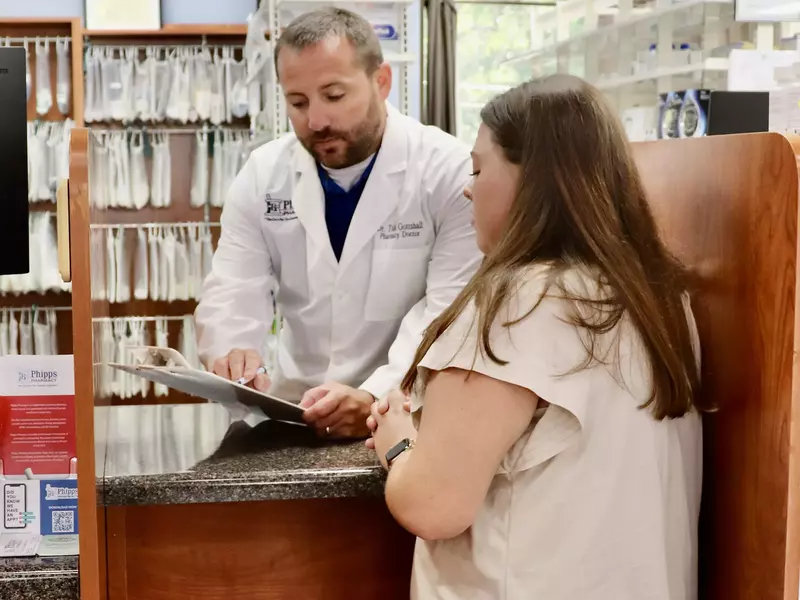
pixel 91 432
pixel 728 207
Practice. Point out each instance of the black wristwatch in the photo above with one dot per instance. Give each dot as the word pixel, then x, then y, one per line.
pixel 397 450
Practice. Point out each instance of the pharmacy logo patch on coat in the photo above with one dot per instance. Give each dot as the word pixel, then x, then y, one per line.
pixel 278 210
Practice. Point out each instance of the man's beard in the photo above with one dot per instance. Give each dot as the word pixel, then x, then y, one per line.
pixel 360 142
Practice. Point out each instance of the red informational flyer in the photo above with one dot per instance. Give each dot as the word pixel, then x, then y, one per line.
pixel 37 415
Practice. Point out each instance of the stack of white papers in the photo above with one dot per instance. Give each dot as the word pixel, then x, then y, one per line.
pixel 27 544
pixel 18 544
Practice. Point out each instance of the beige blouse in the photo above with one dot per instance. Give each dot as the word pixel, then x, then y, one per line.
pixel 597 500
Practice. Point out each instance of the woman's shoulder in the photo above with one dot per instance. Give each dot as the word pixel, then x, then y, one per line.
pixel 540 299
pixel 555 279
pixel 552 290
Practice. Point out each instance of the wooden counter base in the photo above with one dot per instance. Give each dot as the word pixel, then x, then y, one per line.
pixel 325 549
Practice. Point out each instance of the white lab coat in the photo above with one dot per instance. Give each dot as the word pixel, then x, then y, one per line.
pixel 409 250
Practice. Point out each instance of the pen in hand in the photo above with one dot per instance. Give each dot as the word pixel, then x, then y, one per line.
pixel 245 380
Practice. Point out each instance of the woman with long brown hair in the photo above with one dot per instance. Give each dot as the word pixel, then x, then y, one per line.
pixel 554 446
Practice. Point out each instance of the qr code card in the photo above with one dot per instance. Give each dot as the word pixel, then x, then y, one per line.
pixel 63 521
pixel 59 507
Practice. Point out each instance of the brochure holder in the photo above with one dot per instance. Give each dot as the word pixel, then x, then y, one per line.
pixel 38 462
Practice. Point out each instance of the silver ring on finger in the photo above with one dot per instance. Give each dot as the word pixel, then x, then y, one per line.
pixel 327 431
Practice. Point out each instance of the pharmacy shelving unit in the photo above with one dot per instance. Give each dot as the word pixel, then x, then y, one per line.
pixel 633 50
pixel 182 150
pixel 390 19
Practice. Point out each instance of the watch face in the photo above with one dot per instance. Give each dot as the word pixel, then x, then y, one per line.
pixel 396 450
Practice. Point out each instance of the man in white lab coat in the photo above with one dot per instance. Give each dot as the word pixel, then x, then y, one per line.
pixel 357 220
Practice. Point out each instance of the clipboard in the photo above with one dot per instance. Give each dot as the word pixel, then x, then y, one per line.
pixel 170 368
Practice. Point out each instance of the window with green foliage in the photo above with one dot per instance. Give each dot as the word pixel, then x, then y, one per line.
pixel 488 35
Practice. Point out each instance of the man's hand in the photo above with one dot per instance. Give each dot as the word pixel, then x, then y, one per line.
pixel 336 410
pixel 242 365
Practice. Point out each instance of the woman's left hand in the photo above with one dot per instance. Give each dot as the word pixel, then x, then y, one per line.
pixel 389 422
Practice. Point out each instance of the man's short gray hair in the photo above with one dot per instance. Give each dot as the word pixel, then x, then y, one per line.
pixel 311 28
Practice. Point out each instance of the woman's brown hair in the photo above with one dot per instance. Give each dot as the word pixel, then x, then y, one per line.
pixel 581 202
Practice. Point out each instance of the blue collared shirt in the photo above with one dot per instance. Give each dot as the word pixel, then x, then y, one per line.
pixel 340 205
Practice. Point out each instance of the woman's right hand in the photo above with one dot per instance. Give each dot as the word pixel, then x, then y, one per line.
pixel 383 406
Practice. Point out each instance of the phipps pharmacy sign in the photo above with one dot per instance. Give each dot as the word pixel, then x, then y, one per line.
pixel 55 492
pixel 37 415
pixel 37 377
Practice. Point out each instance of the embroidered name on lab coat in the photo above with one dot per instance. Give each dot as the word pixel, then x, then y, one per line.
pixel 278 210
pixel 396 231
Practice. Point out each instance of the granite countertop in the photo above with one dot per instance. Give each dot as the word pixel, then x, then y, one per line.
pixel 54 578
pixel 195 453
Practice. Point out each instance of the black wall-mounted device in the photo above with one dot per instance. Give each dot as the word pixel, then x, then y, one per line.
pixel 14 236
